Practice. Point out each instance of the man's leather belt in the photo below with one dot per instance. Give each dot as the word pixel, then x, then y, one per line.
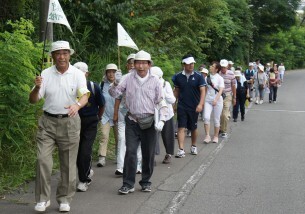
pixel 56 115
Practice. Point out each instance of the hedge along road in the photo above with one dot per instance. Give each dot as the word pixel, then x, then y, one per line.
pixel 258 169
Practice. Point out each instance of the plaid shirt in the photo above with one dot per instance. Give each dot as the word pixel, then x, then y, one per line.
pixel 141 98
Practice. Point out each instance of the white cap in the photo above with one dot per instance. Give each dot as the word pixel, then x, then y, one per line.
pixel 237 73
pixel 261 67
pixel 189 60
pixel 250 63
pixel 131 56
pixel 204 70
pixel 224 63
pixel 111 66
pixel 61 45
pixel 231 63
pixel 143 55
pixel 81 66
pixel 156 71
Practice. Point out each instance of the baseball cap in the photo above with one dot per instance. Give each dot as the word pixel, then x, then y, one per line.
pixel 81 66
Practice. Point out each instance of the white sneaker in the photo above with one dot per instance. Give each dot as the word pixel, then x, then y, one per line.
pixel 180 153
pixel 101 161
pixel 82 187
pixel 64 207
pixel 193 150
pixel 261 102
pixel 256 102
pixel 41 206
pixel 91 174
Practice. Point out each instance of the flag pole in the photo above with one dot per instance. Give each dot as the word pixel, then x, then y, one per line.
pixel 44 47
pixel 119 61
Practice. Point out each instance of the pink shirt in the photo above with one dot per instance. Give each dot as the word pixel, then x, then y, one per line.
pixel 141 97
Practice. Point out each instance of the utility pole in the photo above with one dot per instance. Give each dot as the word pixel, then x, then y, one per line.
pixel 45 33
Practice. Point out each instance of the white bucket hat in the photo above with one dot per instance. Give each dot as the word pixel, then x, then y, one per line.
pixel 224 63
pixel 156 71
pixel 142 55
pixel 81 66
pixel 250 63
pixel 61 45
pixel 204 70
pixel 261 67
pixel 231 63
pixel 111 66
pixel 131 56
pixel 237 73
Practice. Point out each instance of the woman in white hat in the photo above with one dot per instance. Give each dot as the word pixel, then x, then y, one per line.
pixel 242 92
pixel 260 81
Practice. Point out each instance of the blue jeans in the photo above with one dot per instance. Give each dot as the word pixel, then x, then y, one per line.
pixel 134 135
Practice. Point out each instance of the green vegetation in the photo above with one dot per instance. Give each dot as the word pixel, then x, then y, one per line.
pixel 239 30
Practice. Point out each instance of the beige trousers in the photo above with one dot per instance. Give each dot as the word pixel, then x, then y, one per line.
pixel 105 128
pixel 226 114
pixel 64 134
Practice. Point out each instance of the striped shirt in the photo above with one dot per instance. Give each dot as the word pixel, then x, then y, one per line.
pixel 229 80
pixel 141 97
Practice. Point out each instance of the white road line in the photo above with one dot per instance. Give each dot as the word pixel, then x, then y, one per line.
pixel 290 111
pixel 186 189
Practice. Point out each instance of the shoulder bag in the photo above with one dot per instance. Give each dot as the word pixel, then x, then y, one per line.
pixel 211 84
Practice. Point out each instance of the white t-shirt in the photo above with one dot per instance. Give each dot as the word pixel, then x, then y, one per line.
pixel 218 82
pixel 61 90
pixel 281 69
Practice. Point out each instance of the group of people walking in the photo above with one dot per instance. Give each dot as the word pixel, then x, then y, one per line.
pixel 140 107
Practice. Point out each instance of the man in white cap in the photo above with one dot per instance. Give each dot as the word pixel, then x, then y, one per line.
pixel 90 116
pixel 190 94
pixel 65 92
pixel 107 118
pixel 230 91
pixel 249 74
pixel 143 95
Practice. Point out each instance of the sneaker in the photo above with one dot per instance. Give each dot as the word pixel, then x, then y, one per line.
pixel 125 190
pixel 261 102
pixel 224 135
pixel 188 133
pixel 82 187
pixel 176 134
pixel 101 161
pixel 118 172
pixel 270 101
pixel 274 101
pixel 139 172
pixel 64 207
pixel 193 150
pixel 180 153
pixel 242 118
pixel 207 139
pixel 91 174
pixel 234 120
pixel 215 139
pixel 256 102
pixel 146 188
pixel 167 159
pixel 41 206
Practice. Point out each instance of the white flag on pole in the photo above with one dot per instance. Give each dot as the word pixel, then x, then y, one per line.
pixel 124 39
pixel 56 14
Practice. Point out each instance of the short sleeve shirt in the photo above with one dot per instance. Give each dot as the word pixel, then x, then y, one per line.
pixel 61 90
pixel 218 83
pixel 189 89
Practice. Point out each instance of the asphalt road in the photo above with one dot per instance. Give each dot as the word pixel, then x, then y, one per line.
pixel 259 168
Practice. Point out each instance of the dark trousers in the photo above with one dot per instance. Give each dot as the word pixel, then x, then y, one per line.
pixel 134 135
pixel 240 104
pixel 168 137
pixel 87 137
pixel 273 93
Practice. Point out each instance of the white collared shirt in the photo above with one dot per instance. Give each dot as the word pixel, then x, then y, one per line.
pixel 61 90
